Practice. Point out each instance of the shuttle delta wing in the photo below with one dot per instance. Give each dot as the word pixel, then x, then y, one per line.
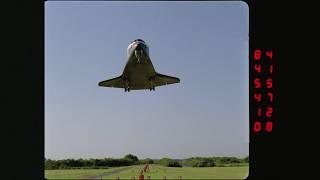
pixel 161 80
pixel 115 82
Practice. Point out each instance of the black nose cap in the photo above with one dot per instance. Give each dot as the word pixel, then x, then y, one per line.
pixel 139 47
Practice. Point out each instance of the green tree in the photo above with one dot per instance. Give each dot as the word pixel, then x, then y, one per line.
pixel 131 157
pixel 169 162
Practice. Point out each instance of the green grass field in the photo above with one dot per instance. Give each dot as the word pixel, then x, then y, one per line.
pixel 79 173
pixel 156 172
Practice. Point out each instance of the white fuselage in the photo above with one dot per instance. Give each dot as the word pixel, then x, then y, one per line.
pixel 136 47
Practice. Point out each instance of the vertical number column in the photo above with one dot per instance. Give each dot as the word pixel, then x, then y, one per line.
pixel 263 94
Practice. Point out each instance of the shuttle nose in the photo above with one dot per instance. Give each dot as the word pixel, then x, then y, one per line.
pixel 139 46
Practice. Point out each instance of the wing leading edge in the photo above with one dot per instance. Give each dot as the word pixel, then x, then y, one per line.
pixel 162 79
pixel 116 82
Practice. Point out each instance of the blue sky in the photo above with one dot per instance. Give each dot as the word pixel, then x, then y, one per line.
pixel 205 44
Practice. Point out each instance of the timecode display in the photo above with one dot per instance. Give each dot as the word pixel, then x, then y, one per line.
pixel 263 90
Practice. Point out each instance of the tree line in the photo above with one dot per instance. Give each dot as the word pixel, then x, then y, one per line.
pixel 130 159
pixel 214 161
pixel 127 160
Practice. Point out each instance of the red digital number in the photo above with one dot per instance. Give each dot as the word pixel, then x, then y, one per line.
pixel 269 111
pixel 257 83
pixel 269 126
pixel 270 96
pixel 257 97
pixel 257 54
pixel 271 69
pixel 257 67
pixel 269 54
pixel 259 112
pixel 257 126
pixel 269 83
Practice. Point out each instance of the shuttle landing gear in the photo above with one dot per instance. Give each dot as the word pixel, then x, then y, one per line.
pixel 152 88
pixel 152 84
pixel 126 88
